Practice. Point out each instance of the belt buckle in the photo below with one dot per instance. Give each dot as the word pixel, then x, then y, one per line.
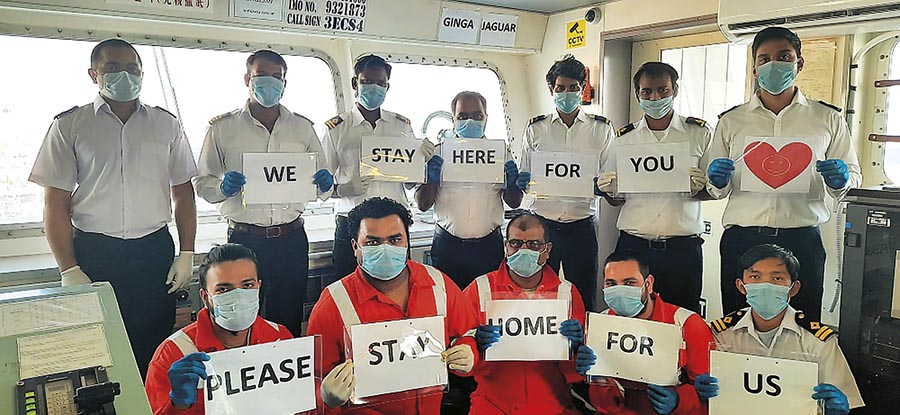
pixel 273 232
pixel 658 244
pixel 767 231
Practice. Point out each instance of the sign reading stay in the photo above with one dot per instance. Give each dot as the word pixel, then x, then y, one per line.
pixel 392 159
pixel 634 349
pixel 563 174
pixel 752 385
pixel 473 161
pixel 279 177
pixel 529 329
pixel 654 168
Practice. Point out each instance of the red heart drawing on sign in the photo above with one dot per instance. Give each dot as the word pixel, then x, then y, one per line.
pixel 777 168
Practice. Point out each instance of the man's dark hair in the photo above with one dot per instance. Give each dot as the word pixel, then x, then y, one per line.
pixel 225 253
pixel 526 221
pixel 775 32
pixel 111 43
pixel 377 208
pixel 467 94
pixel 655 70
pixel 371 61
pixel 269 55
pixel 628 255
pixel 766 251
pixel 569 67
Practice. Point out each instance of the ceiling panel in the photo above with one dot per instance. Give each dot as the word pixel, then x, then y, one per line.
pixel 542 6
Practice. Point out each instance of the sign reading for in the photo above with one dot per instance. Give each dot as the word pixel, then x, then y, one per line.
pixel 634 349
pixel 272 378
pixel 654 168
pixel 751 385
pixel 279 177
pixel 396 356
pixel 576 34
pixel 529 329
pixel 473 161
pixel 392 159
pixel 563 174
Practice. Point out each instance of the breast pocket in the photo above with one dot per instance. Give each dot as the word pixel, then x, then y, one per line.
pixel 154 160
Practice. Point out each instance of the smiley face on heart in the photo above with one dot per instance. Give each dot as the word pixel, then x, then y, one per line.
pixel 777 168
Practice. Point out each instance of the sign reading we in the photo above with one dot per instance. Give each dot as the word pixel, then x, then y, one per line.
pixel 279 177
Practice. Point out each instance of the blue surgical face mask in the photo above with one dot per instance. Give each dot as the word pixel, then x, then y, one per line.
pixel 659 108
pixel 236 310
pixel 383 262
pixel 766 299
pixel 776 76
pixel 267 90
pixel 625 300
pixel 567 102
pixel 470 128
pixel 120 86
pixel 371 96
pixel 524 262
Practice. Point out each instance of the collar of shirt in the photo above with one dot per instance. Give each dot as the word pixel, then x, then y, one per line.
pixel 789 322
pixel 676 124
pixel 282 112
pixel 365 292
pixel 549 280
pixel 100 102
pixel 554 117
pixel 357 117
pixel 207 341
pixel 799 99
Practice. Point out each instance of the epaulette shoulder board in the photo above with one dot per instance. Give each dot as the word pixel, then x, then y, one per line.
pixel 832 106
pixel 219 117
pixel 821 331
pixel 729 110
pixel 334 122
pixel 695 121
pixel 404 119
pixel 599 118
pixel 165 111
pixel 307 119
pixel 539 118
pixel 68 111
pixel 727 322
pixel 625 130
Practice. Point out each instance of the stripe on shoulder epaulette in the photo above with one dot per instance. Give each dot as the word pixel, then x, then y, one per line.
pixel 599 118
pixel 307 119
pixel 729 110
pixel 539 118
pixel 68 111
pixel 832 106
pixel 821 331
pixel 219 117
pixel 334 122
pixel 404 119
pixel 727 322
pixel 165 111
pixel 625 130
pixel 695 121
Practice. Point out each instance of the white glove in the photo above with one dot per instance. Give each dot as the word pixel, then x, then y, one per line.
pixel 427 149
pixel 606 182
pixel 698 180
pixel 74 276
pixel 459 358
pixel 180 271
pixel 355 187
pixel 338 385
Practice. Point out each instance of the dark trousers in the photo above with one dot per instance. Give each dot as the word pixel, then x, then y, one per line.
pixel 805 243
pixel 137 270
pixel 575 247
pixel 463 260
pixel 342 256
pixel 676 265
pixel 284 271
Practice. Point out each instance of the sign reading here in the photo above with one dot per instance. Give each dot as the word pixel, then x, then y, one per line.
pixel 563 174
pixel 752 385
pixel 654 168
pixel 392 159
pixel 529 329
pixel 634 349
pixel 473 161
pixel 279 177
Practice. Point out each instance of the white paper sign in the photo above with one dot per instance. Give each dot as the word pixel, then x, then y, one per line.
pixel 188 6
pixel 563 174
pixel 751 385
pixel 473 161
pixel 460 26
pixel 275 378
pixel 258 9
pixel 634 349
pixel 499 29
pixel 654 168
pixel 529 329
pixel 392 159
pixel 777 164
pixel 330 15
pixel 62 351
pixel 396 356
pixel 279 177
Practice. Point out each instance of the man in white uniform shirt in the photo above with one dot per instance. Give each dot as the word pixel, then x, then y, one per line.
pixel 791 220
pixel 110 171
pixel 342 141
pixel 664 227
pixel 568 129
pixel 275 232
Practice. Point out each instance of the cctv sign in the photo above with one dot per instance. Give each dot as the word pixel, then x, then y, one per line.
pixel 576 34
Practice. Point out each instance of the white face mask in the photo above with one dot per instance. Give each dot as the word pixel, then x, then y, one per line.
pixel 237 309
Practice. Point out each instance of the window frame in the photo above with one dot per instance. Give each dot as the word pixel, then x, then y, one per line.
pixel 34 229
pixel 878 151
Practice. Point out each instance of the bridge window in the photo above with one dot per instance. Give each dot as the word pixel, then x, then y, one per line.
pixel 891 123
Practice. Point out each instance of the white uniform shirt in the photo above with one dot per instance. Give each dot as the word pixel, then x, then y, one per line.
pixel 469 210
pixel 121 174
pixel 663 215
pixel 791 342
pixel 589 134
pixel 232 134
pixel 342 141
pixel 801 119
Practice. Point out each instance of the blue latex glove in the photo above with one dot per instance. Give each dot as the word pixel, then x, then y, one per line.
pixel 597 191
pixel 835 400
pixel 523 180
pixel 324 180
pixel 433 169
pixel 232 183
pixel 585 360
pixel 706 386
pixel 720 171
pixel 511 172
pixel 662 399
pixel 572 330
pixel 835 172
pixel 184 375
pixel 486 336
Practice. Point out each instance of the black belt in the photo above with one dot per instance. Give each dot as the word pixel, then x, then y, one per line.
pixel 664 244
pixel 270 232
pixel 574 224
pixel 772 232
pixel 440 231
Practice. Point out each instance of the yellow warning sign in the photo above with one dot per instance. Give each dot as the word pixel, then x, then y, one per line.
pixel 576 34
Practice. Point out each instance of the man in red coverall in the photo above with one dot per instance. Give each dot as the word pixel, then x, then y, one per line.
pixel 629 293
pixel 229 287
pixel 525 388
pixel 388 286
